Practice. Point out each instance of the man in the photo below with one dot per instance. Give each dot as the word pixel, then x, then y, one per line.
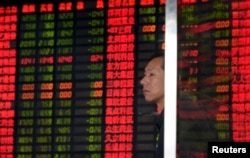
pixel 153 91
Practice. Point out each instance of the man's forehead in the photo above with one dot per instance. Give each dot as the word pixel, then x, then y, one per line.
pixel 152 67
pixel 154 63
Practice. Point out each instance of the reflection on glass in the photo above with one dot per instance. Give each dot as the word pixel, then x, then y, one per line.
pixel 213 65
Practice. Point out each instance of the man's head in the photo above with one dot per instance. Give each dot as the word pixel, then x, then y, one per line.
pixel 153 80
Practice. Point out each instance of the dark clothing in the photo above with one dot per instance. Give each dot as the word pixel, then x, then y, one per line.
pixel 160 136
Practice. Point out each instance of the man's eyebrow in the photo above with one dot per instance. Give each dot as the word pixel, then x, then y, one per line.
pixel 150 68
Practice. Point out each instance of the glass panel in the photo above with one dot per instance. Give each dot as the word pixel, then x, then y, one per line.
pixel 213 74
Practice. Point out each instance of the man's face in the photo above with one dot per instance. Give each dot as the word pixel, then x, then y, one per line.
pixel 153 81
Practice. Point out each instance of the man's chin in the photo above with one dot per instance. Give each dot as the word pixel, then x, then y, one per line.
pixel 149 100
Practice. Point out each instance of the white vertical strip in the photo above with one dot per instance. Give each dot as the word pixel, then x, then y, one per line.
pixel 170 107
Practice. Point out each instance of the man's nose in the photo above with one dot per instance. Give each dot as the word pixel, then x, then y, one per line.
pixel 142 81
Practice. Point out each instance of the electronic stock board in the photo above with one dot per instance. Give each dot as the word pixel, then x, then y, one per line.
pixel 69 77
pixel 213 64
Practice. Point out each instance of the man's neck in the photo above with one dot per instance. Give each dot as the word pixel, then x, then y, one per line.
pixel 160 105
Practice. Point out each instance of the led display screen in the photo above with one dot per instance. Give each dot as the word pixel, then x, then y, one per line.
pixel 213 64
pixel 69 77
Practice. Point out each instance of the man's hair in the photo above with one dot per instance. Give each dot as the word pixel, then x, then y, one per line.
pixel 156 55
